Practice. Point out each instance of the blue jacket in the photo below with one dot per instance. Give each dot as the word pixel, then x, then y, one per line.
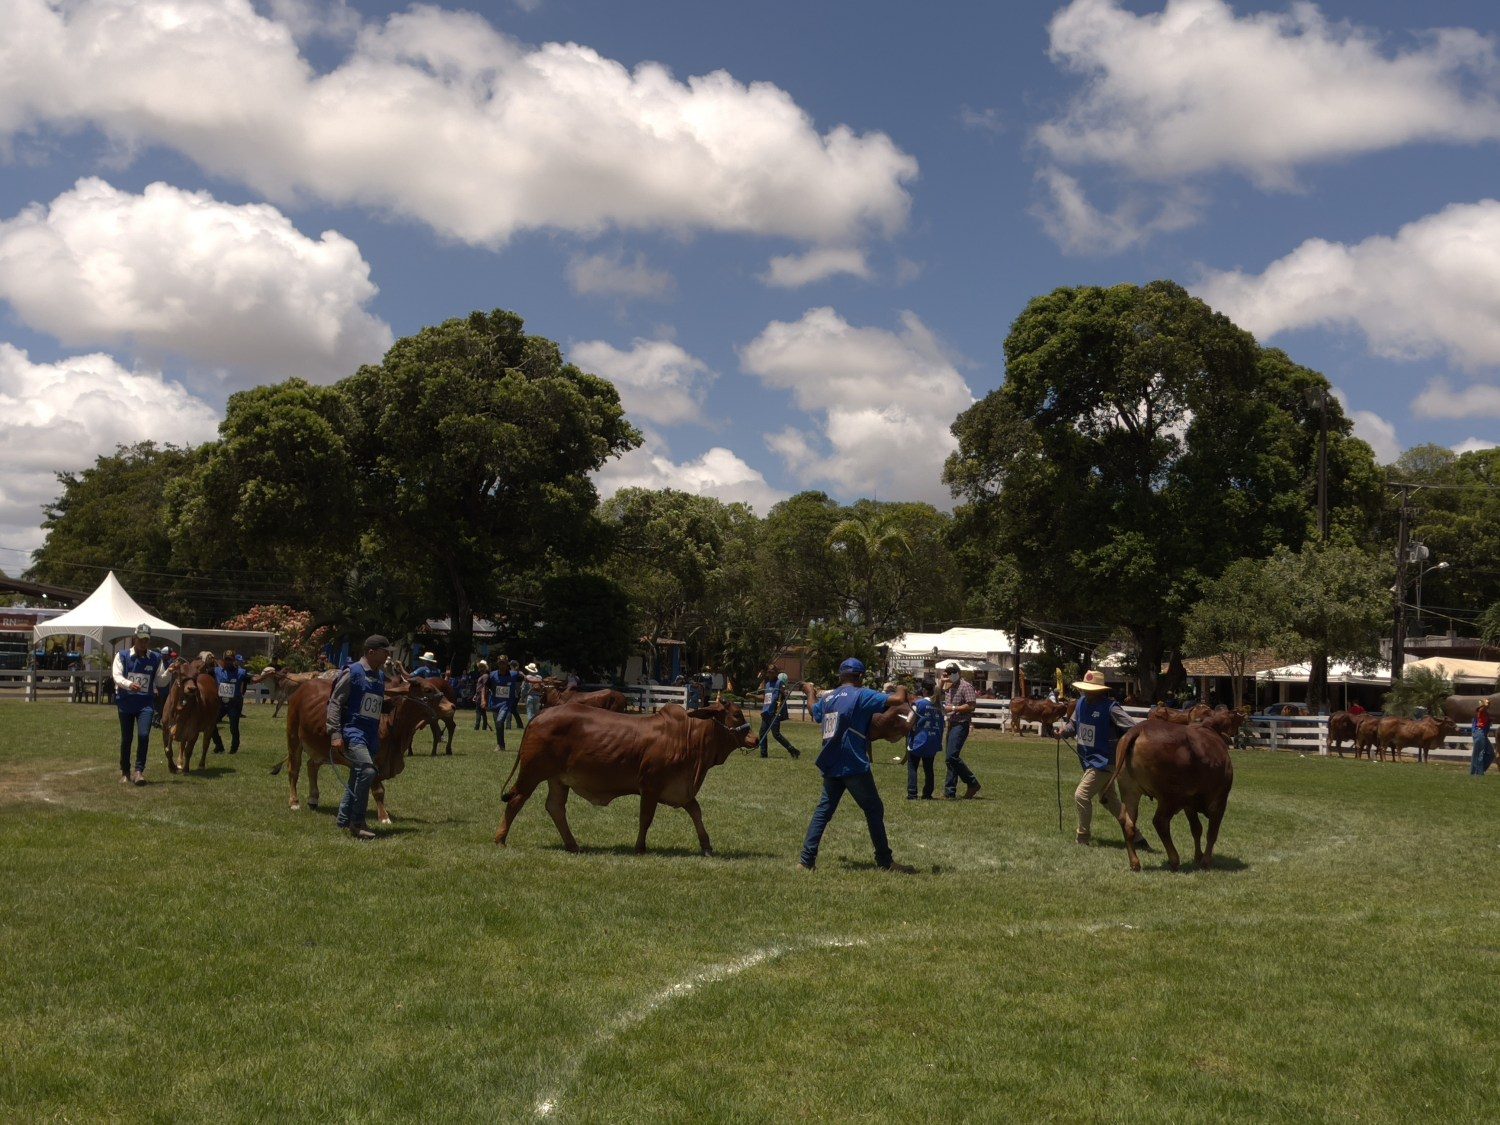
pixel 845 714
pixel 926 737
pixel 234 702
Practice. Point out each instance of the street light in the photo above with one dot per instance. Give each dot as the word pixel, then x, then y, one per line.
pixel 1429 570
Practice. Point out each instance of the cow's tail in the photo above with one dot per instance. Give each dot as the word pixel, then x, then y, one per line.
pixel 509 792
pixel 1123 750
pixel 277 767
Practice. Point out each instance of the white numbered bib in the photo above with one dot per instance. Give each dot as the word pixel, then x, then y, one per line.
pixel 226 692
pixel 141 680
pixel 830 725
pixel 369 706
pixel 1086 735
pixel 770 699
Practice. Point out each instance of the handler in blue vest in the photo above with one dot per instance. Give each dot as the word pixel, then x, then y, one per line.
pixel 1095 721
pixel 772 711
pixel 497 689
pixel 924 741
pixel 138 673
pixel 845 715
pixel 232 680
pixel 353 722
pixel 427 668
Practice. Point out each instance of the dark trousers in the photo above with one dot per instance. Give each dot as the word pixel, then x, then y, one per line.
pixel 770 727
pixel 501 714
pixel 515 715
pixel 138 726
pixel 861 787
pixel 958 770
pixel 234 735
pixel 481 717
pixel 911 775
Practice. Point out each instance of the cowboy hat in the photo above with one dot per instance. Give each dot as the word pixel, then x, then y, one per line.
pixel 1092 681
pixel 426 656
pixel 533 669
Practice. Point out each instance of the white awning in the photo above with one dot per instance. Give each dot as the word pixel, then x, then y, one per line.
pixel 107 615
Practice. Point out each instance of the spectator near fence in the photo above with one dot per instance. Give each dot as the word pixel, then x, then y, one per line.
pixel 958 705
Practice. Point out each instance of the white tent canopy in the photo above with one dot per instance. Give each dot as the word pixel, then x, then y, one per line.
pixel 106 616
pixel 1338 673
pixel 1459 670
pixel 959 642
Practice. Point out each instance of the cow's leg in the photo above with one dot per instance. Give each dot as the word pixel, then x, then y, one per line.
pixel 1197 826
pixel 525 785
pixel 313 766
pixel 1130 803
pixel 203 758
pixel 437 739
pixel 293 768
pixel 452 726
pixel 648 813
pixel 696 812
pixel 377 791
pixel 557 806
pixel 1215 814
pixel 1162 822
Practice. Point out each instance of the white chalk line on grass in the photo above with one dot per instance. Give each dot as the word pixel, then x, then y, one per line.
pixel 39 791
pixel 631 1017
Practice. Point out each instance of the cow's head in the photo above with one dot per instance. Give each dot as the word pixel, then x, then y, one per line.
pixel 894 723
pixel 730 716
pixel 430 693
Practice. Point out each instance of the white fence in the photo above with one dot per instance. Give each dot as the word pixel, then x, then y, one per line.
pixel 31 685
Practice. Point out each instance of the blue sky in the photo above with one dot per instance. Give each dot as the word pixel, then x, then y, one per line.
pixel 624 176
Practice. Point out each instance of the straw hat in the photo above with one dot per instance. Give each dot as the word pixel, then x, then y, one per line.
pixel 533 669
pixel 429 658
pixel 1092 681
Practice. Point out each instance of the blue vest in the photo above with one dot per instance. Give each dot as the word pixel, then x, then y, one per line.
pixel 770 697
pixel 1096 731
pixel 233 704
pixel 426 672
pixel 134 702
pixel 846 732
pixel 926 737
pixel 499 688
pixel 362 711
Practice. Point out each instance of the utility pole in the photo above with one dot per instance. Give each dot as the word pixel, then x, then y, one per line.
pixel 1323 467
pixel 1015 660
pixel 1398 636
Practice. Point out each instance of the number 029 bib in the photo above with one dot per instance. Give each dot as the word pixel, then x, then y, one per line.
pixel 1086 734
pixel 369 706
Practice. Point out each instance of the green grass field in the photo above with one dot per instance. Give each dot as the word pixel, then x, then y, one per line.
pixel 193 950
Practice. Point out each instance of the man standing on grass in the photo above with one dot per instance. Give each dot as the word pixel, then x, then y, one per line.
pixel 845 715
pixel 497 689
pixel 482 695
pixel 1484 752
pixel 924 740
pixel 958 706
pixel 138 673
pixel 232 679
pixel 514 681
pixel 1095 721
pixel 772 711
pixel 353 720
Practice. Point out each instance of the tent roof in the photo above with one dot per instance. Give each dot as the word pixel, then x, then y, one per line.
pixel 1338 673
pixel 1486 671
pixel 106 616
pixel 959 642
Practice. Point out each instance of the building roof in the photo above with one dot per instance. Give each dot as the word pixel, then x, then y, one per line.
pixel 1214 665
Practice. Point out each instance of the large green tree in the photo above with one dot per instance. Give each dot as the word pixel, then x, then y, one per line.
pixel 425 485
pixel 1241 614
pixel 1141 442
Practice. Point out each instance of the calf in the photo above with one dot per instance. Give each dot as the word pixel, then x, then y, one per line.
pixel 1367 737
pixel 1341 729
pixel 1186 769
pixel 191 712
pixel 1043 712
pixel 602 754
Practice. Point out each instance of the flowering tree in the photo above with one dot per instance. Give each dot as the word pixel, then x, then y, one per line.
pixel 297 644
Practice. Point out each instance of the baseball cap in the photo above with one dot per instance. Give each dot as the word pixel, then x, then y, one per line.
pixel 852 667
pixel 143 630
pixel 375 640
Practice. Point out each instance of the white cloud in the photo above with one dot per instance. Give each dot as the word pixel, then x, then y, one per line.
pixel 658 380
pixel 1078 227
pixel 792 271
pixel 178 273
pixel 1440 399
pixel 1194 88
pixel 719 473
pixel 986 120
pixel 1372 429
pixel 1473 445
pixel 611 276
pixel 437 116
pixel 1432 289
pixel 57 417
pixel 886 400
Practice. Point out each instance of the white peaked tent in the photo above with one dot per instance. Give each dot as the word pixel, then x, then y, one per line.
pixel 106 616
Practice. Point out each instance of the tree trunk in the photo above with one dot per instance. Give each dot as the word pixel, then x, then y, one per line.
pixel 1148 643
pixel 460 622
pixel 1317 683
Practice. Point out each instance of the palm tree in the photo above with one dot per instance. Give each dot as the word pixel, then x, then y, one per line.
pixel 861 540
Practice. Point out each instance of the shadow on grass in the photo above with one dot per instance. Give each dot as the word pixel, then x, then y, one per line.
pixel 210 773
pixel 1154 856
pixel 674 852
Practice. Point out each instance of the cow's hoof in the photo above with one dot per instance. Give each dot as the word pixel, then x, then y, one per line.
pixel 294 806
pixel 1174 865
pixel 1135 865
pixel 708 851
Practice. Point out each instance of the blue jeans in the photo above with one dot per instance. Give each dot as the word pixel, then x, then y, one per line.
pixel 499 713
pixel 140 726
pixel 481 717
pixel 355 806
pixel 1484 754
pixel 860 786
pixel 958 770
pixel 533 706
pixel 770 727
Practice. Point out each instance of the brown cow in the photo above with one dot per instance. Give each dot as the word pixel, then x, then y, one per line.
pixel 1341 729
pixel 285 684
pixel 1225 723
pixel 190 712
pixel 605 698
pixel 1196 714
pixel 1422 735
pixel 1186 769
pixel 1462 708
pixel 406 706
pixel 447 719
pixel 603 755
pixel 1040 711
pixel 1367 737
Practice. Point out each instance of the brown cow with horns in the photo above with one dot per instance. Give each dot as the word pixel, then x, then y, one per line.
pixel 602 754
